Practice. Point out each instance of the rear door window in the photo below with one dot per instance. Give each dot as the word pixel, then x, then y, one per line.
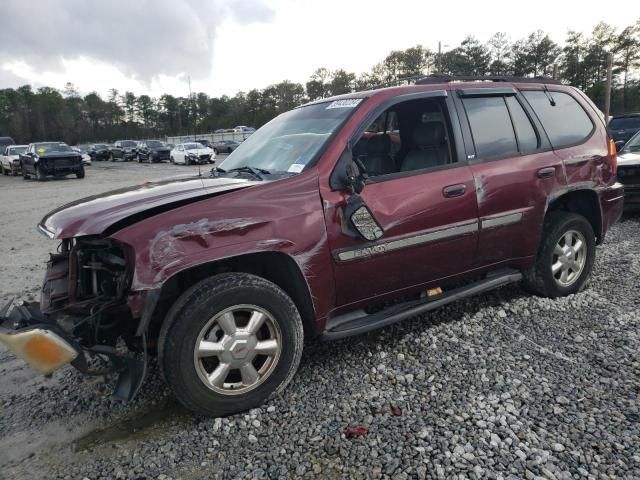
pixel 491 127
pixel 565 121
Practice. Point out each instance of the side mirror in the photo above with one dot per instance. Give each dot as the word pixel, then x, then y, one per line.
pixel 619 145
pixel 360 221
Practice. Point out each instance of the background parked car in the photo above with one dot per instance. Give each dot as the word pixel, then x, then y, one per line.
pixel 10 159
pixel 225 146
pixel 123 150
pixel 623 127
pixel 244 129
pixel 193 152
pixel 152 150
pixel 50 159
pixel 99 151
pixel 84 151
pixel 629 172
pixel 204 143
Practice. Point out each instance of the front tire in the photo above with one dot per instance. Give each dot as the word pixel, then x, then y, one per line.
pixel 229 343
pixel 41 175
pixel 565 256
pixel 80 173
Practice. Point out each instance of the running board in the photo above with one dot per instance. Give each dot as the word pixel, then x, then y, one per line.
pixel 357 322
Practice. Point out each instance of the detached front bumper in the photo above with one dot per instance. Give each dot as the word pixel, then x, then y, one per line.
pixel 44 346
pixel 26 333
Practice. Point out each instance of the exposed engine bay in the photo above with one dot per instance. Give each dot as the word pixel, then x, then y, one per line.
pixel 83 310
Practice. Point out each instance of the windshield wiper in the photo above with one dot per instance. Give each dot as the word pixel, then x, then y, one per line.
pixel 255 171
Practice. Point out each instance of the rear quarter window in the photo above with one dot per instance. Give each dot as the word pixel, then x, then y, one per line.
pixel 566 123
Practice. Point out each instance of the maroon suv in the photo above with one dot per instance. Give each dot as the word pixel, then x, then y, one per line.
pixel 336 218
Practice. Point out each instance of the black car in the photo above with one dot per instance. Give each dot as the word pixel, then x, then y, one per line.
pixel 152 150
pixel 99 151
pixel 623 127
pixel 50 159
pixel 123 150
pixel 225 146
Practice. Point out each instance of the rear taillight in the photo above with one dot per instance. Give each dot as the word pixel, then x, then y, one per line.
pixel 613 157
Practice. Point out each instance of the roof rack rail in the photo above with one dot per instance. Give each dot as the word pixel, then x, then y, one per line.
pixel 443 78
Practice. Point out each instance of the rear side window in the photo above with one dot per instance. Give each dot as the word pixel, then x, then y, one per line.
pixel 527 139
pixel 491 126
pixel 566 122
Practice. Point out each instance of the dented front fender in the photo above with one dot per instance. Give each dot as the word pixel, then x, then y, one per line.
pixel 283 216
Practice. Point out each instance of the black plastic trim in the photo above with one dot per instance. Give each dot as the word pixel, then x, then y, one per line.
pixel 337 329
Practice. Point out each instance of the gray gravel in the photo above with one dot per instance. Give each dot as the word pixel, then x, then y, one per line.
pixel 501 386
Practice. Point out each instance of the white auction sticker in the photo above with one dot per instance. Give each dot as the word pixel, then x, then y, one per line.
pixel 295 168
pixel 347 103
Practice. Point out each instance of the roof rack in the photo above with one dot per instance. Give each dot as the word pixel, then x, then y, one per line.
pixel 443 78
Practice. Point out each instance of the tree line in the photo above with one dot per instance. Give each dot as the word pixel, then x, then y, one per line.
pixel 51 114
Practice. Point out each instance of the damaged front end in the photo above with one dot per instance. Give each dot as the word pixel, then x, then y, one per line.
pixel 83 317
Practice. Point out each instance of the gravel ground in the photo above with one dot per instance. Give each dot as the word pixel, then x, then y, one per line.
pixel 500 386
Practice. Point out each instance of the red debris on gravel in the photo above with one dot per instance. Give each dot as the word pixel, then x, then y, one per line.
pixel 356 431
pixel 395 411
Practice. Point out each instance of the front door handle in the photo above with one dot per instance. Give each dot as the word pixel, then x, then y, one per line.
pixel 454 190
pixel 547 172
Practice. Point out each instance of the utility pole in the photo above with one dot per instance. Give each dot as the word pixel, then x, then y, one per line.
pixel 439 66
pixel 555 71
pixel 607 99
pixel 191 106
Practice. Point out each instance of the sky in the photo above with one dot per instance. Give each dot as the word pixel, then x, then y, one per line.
pixel 226 46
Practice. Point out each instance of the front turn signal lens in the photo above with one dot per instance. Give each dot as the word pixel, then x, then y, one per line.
pixel 41 349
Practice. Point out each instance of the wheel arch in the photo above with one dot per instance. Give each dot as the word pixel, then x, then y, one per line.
pixel 584 202
pixel 276 267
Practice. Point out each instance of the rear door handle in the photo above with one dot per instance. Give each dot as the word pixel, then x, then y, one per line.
pixel 454 190
pixel 547 172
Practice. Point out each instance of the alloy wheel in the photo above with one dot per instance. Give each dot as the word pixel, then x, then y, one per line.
pixel 237 349
pixel 569 257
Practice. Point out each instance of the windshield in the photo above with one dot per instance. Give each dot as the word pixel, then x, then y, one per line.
pixel 622 123
pixel 192 146
pixel 100 145
pixel 128 143
pixel 17 150
pixel 633 145
pixel 43 148
pixel 154 144
pixel 290 141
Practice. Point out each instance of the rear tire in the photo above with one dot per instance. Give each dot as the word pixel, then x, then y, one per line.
pixel 254 358
pixel 565 256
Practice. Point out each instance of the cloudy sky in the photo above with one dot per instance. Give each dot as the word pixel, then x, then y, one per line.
pixel 152 46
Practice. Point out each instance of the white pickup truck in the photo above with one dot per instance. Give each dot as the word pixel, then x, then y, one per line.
pixel 10 159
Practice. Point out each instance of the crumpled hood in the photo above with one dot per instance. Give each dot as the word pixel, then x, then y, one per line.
pixel 629 158
pixel 93 215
